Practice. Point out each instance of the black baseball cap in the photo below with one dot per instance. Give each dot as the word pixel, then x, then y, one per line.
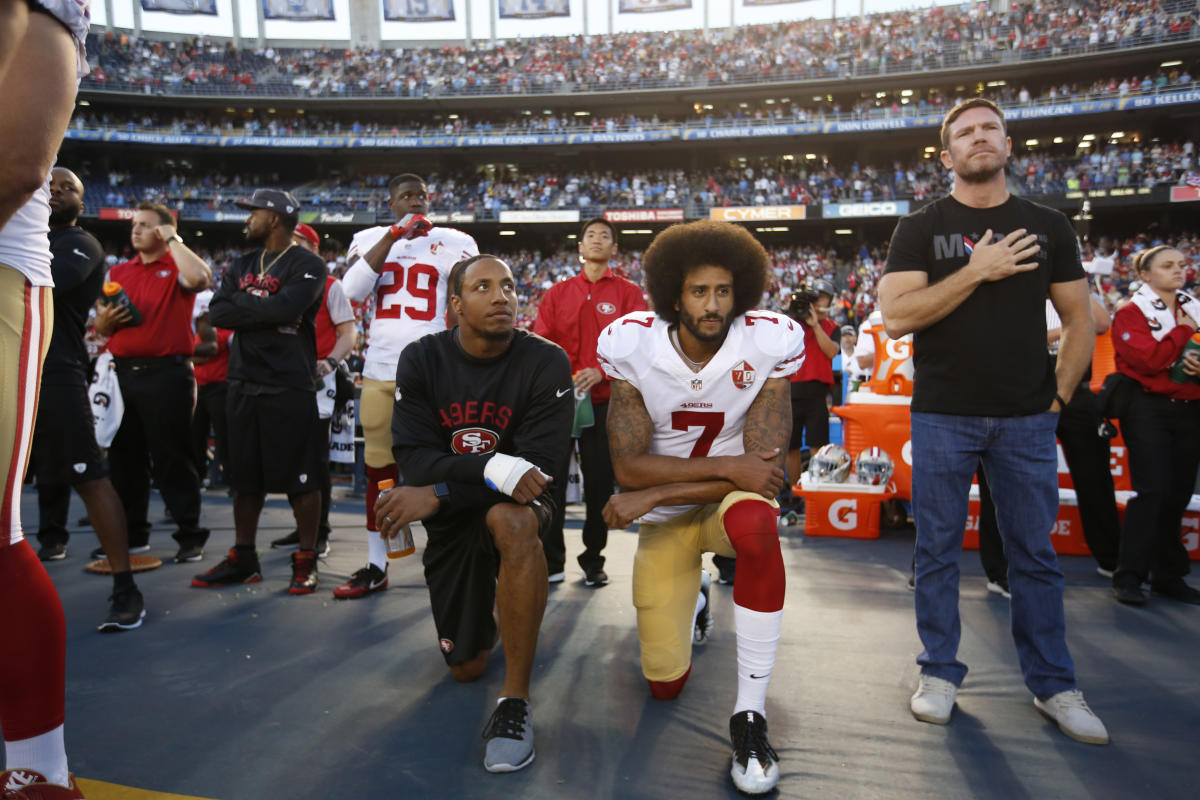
pixel 273 200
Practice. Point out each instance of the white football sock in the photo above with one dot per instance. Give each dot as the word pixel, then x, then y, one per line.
pixel 376 549
pixel 757 640
pixel 45 753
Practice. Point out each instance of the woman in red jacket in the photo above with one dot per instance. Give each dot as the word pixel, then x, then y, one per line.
pixel 1161 427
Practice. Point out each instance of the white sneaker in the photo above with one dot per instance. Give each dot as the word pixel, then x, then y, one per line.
pixel 995 587
pixel 934 700
pixel 1073 716
pixel 1104 573
pixel 558 577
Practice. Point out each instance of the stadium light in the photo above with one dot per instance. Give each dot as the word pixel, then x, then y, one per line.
pixel 572 236
pixel 452 116
pixel 906 92
pixel 1085 144
pixel 270 111
pixel 199 233
pixel 635 230
pixel 789 158
pixel 1087 137
pixel 880 94
pixel 583 113
pixel 994 84
pixel 783 229
pixel 708 106
pixel 931 149
pixel 1058 140
pixel 843 231
pixel 1171 64
pixel 508 233
pixel 1031 142
pixel 769 101
pixel 84 103
pixel 1117 135
pixel 810 156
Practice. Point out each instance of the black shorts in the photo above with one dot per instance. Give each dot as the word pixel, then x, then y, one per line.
pixel 461 565
pixel 273 446
pixel 65 452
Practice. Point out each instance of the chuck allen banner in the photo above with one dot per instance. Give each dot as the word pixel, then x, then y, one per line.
pixel 651 6
pixel 181 6
pixel 517 9
pixel 418 10
pixel 757 213
pixel 298 10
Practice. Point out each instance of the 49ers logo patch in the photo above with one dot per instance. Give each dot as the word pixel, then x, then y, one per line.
pixel 473 441
pixel 606 308
pixel 743 375
pixel 446 645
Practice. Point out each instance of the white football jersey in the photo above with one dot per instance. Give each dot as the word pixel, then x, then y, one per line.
pixel 25 240
pixel 698 414
pixel 410 290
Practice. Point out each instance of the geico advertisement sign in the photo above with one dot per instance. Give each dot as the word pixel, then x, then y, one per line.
pixel 757 213
pixel 884 209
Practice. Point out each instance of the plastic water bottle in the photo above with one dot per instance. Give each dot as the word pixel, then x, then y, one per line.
pixel 1177 373
pixel 402 544
pixel 113 294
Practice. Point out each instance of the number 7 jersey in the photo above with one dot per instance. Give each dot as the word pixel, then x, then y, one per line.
pixel 410 290
pixel 697 414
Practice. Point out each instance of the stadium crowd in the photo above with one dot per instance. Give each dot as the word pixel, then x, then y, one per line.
pixel 902 41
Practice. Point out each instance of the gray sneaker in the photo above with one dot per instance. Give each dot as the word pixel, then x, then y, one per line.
pixel 509 735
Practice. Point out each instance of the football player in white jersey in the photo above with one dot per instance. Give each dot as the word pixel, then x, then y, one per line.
pixel 405 267
pixel 698 428
pixel 41 59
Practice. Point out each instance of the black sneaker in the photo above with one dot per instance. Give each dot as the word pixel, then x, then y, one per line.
pixel 365 581
pixel 52 552
pixel 595 576
pixel 289 542
pixel 509 735
pixel 703 625
pixel 755 767
pixel 189 553
pixel 126 609
pixel 726 569
pixel 304 572
pixel 1177 590
pixel 233 569
pixel 1129 594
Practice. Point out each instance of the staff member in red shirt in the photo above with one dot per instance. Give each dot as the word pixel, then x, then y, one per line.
pixel 155 375
pixel 1160 425
pixel 572 315
pixel 210 363
pixel 812 383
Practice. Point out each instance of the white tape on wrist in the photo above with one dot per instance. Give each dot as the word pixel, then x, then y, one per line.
pixel 503 472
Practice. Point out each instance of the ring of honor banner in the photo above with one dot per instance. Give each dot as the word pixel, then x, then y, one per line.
pixel 650 6
pixel 297 10
pixel 516 9
pixel 418 10
pixel 769 2
pixel 181 6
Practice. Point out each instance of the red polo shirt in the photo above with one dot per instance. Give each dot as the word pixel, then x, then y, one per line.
pixel 166 309
pixel 574 312
pixel 817 366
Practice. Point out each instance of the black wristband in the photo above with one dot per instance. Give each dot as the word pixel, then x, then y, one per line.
pixel 332 362
pixel 1062 403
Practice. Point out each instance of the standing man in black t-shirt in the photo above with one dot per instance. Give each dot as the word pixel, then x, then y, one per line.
pixel 270 298
pixel 65 453
pixel 968 275
pixel 481 426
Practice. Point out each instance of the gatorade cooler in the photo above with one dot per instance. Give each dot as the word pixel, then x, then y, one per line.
pixel 882 421
pixel 1066 536
pixel 848 510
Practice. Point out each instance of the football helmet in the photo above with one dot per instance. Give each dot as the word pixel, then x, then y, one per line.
pixel 874 467
pixel 830 464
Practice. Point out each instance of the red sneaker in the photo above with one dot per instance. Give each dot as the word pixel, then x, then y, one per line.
pixel 304 572
pixel 367 580
pixel 26 784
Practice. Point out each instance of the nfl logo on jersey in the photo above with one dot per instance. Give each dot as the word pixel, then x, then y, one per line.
pixel 743 376
pixel 697 385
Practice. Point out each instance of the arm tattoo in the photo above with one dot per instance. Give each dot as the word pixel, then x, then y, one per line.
pixel 630 430
pixel 769 419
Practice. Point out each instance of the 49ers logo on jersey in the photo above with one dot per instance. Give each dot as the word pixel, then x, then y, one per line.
pixel 743 375
pixel 474 440
pixel 606 308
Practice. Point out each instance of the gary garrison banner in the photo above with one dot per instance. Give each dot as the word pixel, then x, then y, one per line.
pixel 418 10
pixel 510 9
pixel 650 6
pixel 769 2
pixel 301 10
pixel 181 6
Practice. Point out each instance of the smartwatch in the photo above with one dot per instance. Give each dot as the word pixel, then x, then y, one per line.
pixel 442 492
pixel 332 362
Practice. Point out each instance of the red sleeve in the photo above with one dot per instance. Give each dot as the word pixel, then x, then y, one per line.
pixel 1138 353
pixel 544 323
pixel 829 326
pixel 223 337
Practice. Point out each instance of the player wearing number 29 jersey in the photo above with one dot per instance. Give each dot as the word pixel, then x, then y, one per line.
pixel 410 290
pixel 697 414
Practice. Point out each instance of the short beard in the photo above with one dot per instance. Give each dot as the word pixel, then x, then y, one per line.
pixel 64 216
pixel 693 326
pixel 982 175
pixel 256 238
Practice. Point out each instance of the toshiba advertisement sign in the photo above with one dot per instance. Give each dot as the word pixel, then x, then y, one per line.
pixel 757 213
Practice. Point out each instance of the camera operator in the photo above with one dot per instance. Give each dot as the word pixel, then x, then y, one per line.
pixel 812 383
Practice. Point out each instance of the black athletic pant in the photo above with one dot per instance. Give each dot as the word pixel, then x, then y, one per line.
pixel 54 503
pixel 596 466
pixel 155 436
pixel 1163 437
pixel 810 415
pixel 210 413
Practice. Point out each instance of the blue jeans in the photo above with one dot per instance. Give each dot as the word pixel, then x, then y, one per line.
pixel 1021 464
